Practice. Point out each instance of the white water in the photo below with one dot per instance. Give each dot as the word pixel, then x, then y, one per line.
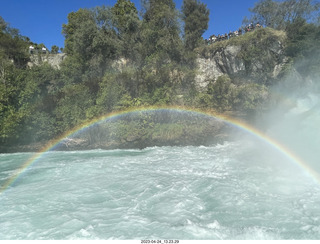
pixel 238 190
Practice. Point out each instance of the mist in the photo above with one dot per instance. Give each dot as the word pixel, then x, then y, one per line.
pixel 293 115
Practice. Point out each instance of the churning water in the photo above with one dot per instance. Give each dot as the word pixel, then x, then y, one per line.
pixel 241 189
pixel 236 190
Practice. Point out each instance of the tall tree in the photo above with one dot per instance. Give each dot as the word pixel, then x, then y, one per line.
pixel 91 37
pixel 125 16
pixel 281 14
pixel 13 57
pixel 13 45
pixel 54 49
pixel 126 21
pixel 196 17
pixel 3 24
pixel 161 29
pixel 79 33
pixel 303 45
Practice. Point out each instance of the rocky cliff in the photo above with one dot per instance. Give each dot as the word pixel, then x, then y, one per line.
pixel 255 57
pixel 53 59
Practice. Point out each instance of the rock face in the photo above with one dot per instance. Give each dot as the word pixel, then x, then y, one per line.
pixel 254 57
pixel 53 59
pixel 218 63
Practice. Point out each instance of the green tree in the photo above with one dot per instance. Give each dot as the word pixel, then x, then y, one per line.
pixel 110 93
pixel 26 109
pixel 92 44
pixel 126 21
pixel 54 49
pixel 105 43
pixel 79 33
pixel 125 16
pixel 196 17
pixel 91 36
pixel 221 92
pixel 9 90
pixel 279 14
pixel 3 24
pixel 13 46
pixel 72 106
pixel 37 101
pixel 249 98
pixel 303 45
pixel 161 30
pixel 13 60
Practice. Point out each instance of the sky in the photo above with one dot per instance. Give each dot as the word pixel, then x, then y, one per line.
pixel 41 20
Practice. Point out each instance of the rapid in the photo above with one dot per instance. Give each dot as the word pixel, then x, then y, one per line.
pixel 239 189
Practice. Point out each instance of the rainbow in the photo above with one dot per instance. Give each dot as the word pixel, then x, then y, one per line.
pixel 229 120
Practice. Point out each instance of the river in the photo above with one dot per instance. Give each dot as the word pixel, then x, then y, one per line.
pixel 233 190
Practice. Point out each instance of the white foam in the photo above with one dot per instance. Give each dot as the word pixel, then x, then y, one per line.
pixel 170 192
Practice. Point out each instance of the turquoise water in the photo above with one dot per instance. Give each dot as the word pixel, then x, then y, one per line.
pixel 234 190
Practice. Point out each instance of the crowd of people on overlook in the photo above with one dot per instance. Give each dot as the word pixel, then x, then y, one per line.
pixel 239 32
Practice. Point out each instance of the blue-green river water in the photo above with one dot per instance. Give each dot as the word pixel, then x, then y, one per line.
pixel 234 190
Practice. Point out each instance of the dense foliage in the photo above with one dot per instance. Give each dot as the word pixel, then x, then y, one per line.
pixel 280 14
pixel 195 17
pixel 118 59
